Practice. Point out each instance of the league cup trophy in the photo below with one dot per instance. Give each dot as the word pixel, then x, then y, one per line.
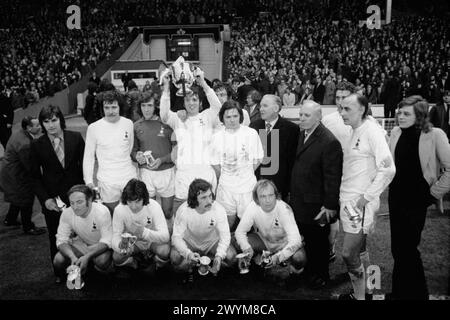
pixel 182 76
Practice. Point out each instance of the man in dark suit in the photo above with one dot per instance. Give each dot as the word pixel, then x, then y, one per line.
pixel 439 114
pixel 315 183
pixel 252 106
pixel 6 118
pixel 279 138
pixel 56 166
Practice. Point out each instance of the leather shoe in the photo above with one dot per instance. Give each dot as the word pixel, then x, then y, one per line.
pixel 58 280
pixel 316 283
pixel 35 231
pixel 11 223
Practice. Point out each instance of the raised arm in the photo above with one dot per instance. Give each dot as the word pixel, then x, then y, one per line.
pixel 167 116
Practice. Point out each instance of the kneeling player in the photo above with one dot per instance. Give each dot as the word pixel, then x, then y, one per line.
pixel 201 229
pixel 90 222
pixel 142 219
pixel 275 229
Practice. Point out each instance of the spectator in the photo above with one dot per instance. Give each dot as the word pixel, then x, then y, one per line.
pixel 288 98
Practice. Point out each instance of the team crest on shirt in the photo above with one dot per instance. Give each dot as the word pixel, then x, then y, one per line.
pixel 149 220
pixel 356 147
pixel 94 226
pixel 126 135
pixel 277 223
pixel 201 122
pixel 212 222
pixel 161 132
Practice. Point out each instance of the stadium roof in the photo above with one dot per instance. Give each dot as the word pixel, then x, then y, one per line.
pixel 137 65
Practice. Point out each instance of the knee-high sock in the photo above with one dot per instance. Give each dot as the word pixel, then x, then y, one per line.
pixel 365 260
pixel 170 225
pixel 160 263
pixel 129 262
pixel 358 278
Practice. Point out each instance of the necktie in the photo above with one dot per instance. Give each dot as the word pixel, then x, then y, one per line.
pixel 268 127
pixel 58 150
pixel 307 134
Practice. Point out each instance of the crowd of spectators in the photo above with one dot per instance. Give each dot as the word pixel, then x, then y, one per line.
pixel 41 56
pixel 303 48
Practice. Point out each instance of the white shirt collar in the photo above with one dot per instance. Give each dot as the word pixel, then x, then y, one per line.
pixel 272 123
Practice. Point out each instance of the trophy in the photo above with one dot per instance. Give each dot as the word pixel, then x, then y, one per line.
pixel 203 265
pixel 129 241
pixel 74 280
pixel 182 76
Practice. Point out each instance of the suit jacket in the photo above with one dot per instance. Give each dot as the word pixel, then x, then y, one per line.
pixel 434 155
pixel 288 133
pixel 6 111
pixel 50 178
pixel 255 115
pixel 438 117
pixel 316 175
pixel 15 177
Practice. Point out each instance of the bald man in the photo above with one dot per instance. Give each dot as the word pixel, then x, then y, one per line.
pixel 315 183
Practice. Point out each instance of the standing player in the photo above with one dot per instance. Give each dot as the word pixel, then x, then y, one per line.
pixel 110 140
pixel 368 168
pixel 193 136
pixel 143 218
pixel 201 228
pixel 224 93
pixel 150 134
pixel 274 226
pixel 236 153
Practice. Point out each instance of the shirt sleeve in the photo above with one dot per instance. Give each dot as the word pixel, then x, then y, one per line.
pixel 384 164
pixel 167 116
pixel 179 227
pixel 442 185
pixel 258 151
pixel 161 234
pixel 105 226
pixel 89 155
pixel 214 105
pixel 64 228
pixel 294 239
pixel 117 228
pixel 216 144
pixel 246 121
pixel 224 233
pixel 244 227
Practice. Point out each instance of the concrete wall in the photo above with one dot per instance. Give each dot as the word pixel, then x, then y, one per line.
pixel 134 51
pixel 210 56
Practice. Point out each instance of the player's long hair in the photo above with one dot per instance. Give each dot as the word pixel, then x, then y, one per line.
pixel 229 105
pixel 135 190
pixel 196 187
pixel 47 112
pixel 420 107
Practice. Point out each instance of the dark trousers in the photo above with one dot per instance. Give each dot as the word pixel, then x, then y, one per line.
pixel 389 111
pixel 5 133
pixel 25 215
pixel 52 221
pixel 317 249
pixel 408 276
